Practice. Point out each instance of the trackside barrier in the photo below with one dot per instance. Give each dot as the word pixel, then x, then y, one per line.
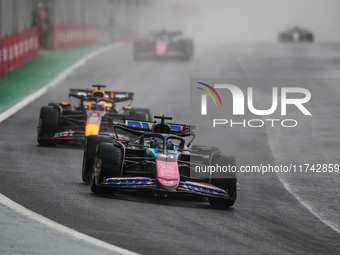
pixel 67 36
pixel 17 50
pixel 4 58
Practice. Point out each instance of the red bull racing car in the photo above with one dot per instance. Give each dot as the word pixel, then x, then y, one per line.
pixel 158 157
pixel 164 45
pixel 93 115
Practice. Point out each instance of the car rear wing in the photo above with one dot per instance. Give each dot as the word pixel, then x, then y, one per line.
pixel 116 96
pixel 168 33
pixel 138 127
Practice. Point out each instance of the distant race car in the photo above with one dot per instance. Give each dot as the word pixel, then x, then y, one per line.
pixel 157 157
pixel 296 34
pixel 164 45
pixel 94 115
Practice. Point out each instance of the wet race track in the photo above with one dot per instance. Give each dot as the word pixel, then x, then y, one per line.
pixel 266 219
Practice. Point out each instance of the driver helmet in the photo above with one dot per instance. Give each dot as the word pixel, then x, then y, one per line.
pixel 93 105
pixel 158 143
pixel 100 106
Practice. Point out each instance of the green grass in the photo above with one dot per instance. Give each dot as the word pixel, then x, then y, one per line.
pixel 21 82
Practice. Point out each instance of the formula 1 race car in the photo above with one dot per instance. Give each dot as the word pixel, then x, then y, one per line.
pixel 163 45
pixel 296 34
pixel 156 156
pixel 94 114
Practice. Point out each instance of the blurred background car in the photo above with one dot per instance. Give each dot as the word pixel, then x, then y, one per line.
pixel 296 34
pixel 163 45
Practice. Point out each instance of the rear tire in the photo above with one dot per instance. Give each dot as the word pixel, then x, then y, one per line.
pixel 227 182
pixel 310 38
pixel 143 114
pixel 49 124
pixel 110 157
pixel 147 111
pixel 91 144
pixel 189 49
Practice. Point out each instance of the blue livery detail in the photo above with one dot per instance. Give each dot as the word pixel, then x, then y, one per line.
pixel 148 125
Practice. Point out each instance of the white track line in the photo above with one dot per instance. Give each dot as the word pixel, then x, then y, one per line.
pixel 32 215
pixel 286 184
pixel 59 78
pixel 309 207
pixel 56 226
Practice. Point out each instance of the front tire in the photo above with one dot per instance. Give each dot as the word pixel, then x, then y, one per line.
pixel 227 182
pixel 91 144
pixel 109 159
pixel 49 122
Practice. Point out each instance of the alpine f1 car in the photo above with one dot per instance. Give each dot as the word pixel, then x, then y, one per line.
pixel 158 157
pixel 164 45
pixel 94 114
pixel 296 34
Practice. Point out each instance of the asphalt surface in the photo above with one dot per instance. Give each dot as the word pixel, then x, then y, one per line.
pixel 24 235
pixel 266 218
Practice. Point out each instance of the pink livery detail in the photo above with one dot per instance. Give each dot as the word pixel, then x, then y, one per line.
pixel 167 173
pixel 161 49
